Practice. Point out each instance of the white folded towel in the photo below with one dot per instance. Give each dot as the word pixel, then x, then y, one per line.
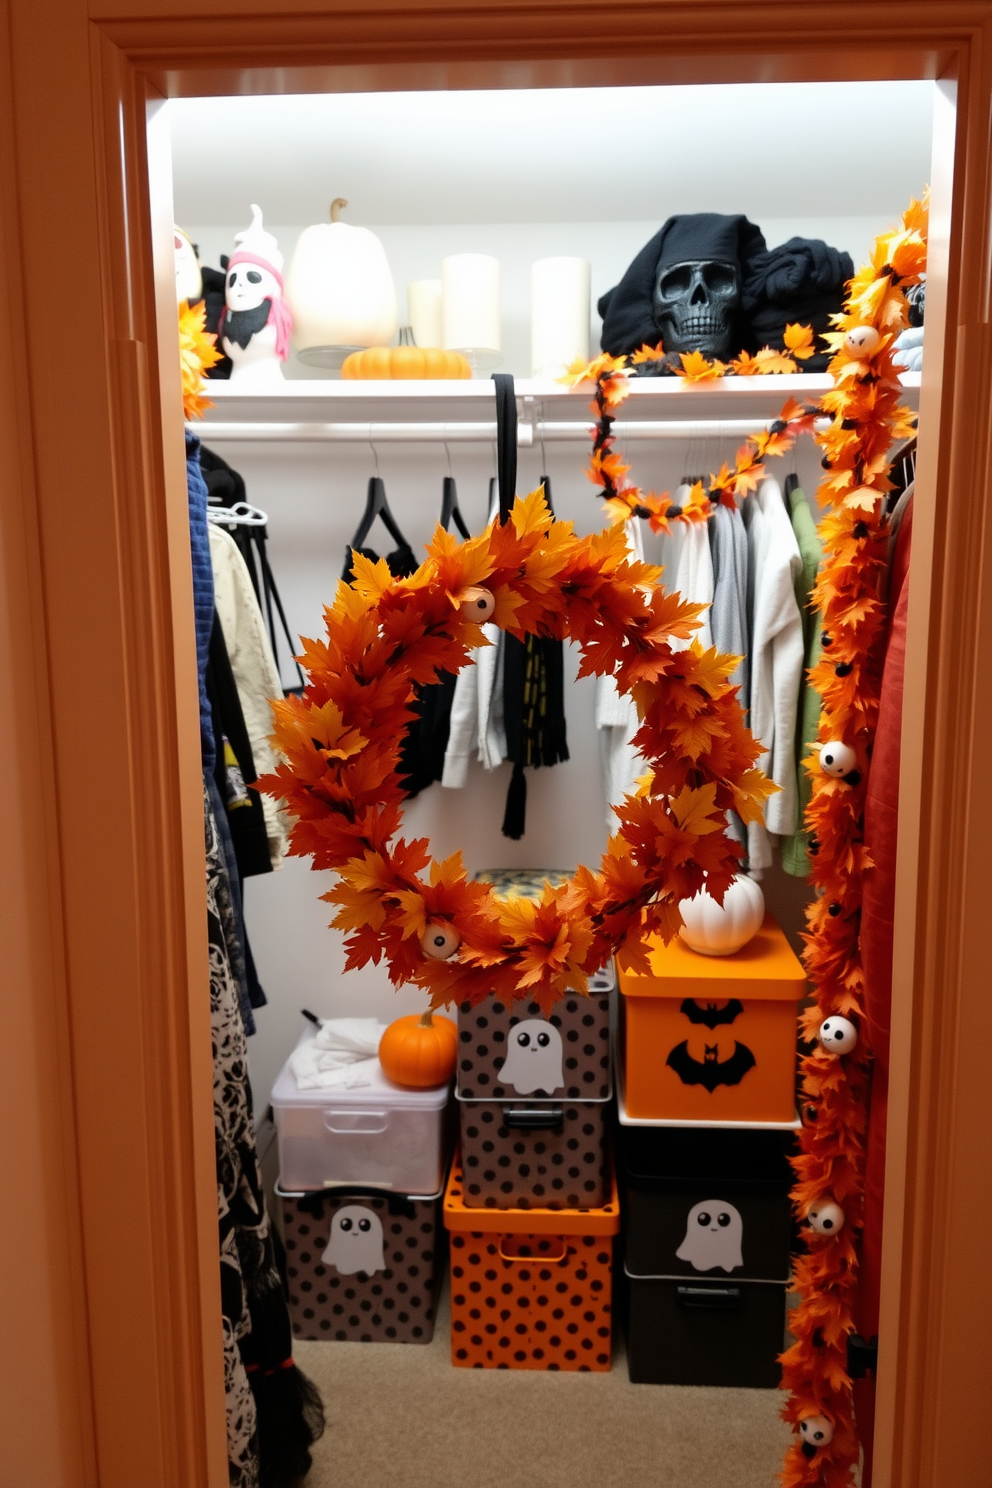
pixel 342 1054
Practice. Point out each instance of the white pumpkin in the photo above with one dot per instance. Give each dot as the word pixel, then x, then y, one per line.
pixel 340 290
pixel 720 930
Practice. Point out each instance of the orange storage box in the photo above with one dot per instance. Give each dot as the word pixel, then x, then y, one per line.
pixel 712 1038
pixel 530 1288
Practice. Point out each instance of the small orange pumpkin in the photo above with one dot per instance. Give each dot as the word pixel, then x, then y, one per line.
pixel 407 361
pixel 419 1051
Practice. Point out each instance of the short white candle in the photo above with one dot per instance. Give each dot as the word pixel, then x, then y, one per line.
pixel 470 316
pixel 559 314
pixel 423 303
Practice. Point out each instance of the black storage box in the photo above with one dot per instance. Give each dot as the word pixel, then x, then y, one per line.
pixel 707 1235
pixel 671 1178
pixel 703 1332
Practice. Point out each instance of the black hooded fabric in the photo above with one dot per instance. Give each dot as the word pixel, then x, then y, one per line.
pixel 215 298
pixel 799 283
pixel 628 310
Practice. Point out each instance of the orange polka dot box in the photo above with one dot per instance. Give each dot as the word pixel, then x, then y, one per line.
pixel 530 1288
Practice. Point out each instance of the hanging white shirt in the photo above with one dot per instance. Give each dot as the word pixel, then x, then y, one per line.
pixel 477 707
pixel 617 721
pixel 776 659
pixel 688 561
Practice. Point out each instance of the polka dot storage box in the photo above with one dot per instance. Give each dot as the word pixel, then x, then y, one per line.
pixel 533 1089
pixel 363 1266
pixel 530 1288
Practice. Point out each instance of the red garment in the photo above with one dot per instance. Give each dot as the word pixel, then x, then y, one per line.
pixel 881 835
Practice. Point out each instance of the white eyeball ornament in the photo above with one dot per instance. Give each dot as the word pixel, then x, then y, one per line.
pixel 440 941
pixel 477 605
pixel 837 1035
pixel 826 1218
pixel 862 342
pixel 838 759
pixel 816 1432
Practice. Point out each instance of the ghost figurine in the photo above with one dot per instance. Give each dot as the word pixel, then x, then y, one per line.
pixel 356 1241
pixel 713 1234
pixel 255 326
pixel 533 1058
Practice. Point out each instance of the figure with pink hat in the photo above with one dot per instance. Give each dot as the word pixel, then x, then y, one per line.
pixel 255 327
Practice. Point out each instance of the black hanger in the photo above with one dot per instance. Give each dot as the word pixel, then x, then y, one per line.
pixel 791 484
pixel 506 442
pixel 450 510
pixel 377 505
pixel 546 483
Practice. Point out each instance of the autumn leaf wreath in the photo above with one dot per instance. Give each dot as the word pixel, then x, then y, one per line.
pixel 341 742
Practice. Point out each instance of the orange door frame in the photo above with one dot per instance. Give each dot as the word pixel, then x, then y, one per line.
pixel 111 1362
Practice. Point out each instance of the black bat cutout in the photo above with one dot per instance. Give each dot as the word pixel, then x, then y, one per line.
pixel 711 1073
pixel 708 1015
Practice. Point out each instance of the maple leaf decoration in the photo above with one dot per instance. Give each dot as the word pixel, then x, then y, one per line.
pixel 867 418
pixel 341 743
pixel 696 368
pixel 197 353
pixel 608 470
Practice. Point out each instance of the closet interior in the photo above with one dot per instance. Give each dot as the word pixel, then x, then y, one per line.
pixel 304 465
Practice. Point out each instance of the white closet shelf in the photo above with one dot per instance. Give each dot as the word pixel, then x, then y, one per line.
pixel 418 411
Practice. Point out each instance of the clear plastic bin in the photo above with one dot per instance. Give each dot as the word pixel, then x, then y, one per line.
pixel 378 1135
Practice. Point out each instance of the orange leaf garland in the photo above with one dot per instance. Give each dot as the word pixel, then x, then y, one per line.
pixel 867 416
pixel 341 743
pixel 197 353
pixel 608 471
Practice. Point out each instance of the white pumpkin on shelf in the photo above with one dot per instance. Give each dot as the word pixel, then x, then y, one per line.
pixel 721 929
pixel 341 291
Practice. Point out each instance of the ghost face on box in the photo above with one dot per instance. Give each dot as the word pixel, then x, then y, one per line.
pixel 714 1234
pixel 533 1058
pixel 356 1242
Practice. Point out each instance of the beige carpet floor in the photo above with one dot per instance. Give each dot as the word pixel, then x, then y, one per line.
pixel 401 1415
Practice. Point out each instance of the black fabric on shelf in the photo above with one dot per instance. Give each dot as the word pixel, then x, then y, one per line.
pixel 628 309
pixel 214 295
pixel 799 283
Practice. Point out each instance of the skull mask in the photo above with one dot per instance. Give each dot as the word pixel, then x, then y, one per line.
pixel 695 306
pixel 248 285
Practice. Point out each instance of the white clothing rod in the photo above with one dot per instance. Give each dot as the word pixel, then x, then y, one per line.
pixel 469 433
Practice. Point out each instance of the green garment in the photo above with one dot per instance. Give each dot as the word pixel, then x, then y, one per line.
pixel 795 858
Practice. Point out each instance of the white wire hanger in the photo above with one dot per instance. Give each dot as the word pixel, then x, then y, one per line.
pixel 241 514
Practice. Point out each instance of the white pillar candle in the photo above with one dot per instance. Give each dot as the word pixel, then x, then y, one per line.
pixel 470 317
pixel 559 314
pixel 423 304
